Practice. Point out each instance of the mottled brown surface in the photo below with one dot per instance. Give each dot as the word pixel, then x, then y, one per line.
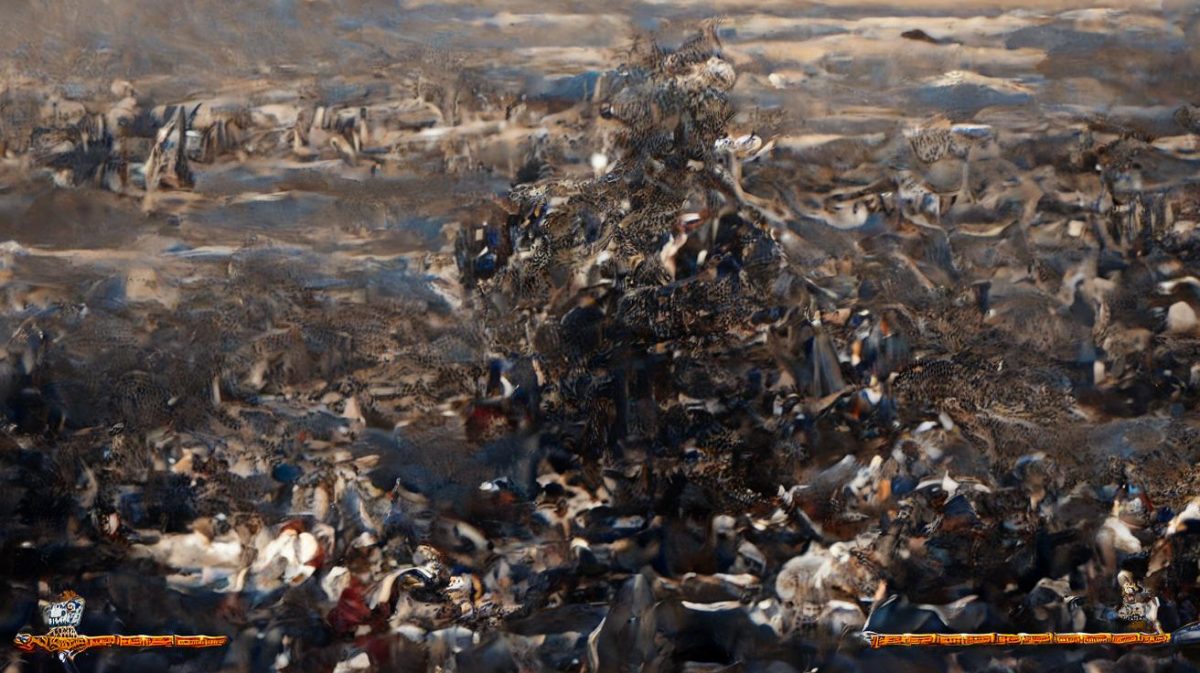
pixel 237 402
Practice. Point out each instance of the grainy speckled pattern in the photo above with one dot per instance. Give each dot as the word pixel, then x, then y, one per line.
pixel 426 336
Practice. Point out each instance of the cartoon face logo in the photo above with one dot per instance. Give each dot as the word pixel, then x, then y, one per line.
pixel 63 640
pixel 65 613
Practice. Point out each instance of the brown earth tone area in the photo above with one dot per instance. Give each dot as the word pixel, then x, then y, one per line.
pixel 427 336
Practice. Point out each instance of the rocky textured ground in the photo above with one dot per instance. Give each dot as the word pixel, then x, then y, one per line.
pixel 599 337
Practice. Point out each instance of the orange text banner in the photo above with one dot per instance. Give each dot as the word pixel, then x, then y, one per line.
pixel 1013 639
pixel 73 645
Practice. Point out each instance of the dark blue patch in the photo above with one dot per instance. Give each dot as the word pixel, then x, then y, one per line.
pixel 571 89
pixel 485 265
pixel 903 485
pixel 286 473
pixel 132 509
pixel 728 266
pixel 492 236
